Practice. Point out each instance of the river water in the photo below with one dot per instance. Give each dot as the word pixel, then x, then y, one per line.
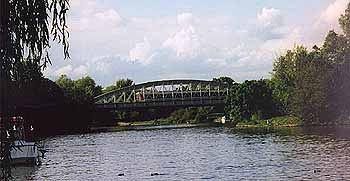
pixel 196 154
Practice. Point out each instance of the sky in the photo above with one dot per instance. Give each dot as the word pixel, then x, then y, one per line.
pixel 147 40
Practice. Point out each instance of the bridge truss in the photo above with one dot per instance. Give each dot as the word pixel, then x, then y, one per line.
pixel 165 93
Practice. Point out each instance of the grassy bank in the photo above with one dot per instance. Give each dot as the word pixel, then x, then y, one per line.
pixel 148 125
pixel 277 122
pixel 157 122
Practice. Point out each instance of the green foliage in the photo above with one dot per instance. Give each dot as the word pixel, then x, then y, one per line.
pixel 121 83
pixel 344 21
pixel 109 89
pixel 189 115
pixel 314 85
pixel 25 31
pixel 284 77
pixel 88 86
pixel 298 85
pixel 225 80
pixel 250 100
pixel 275 122
pixel 80 91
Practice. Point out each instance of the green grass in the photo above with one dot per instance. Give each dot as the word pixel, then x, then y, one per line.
pixel 284 121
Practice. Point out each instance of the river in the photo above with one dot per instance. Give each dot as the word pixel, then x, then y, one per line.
pixel 214 153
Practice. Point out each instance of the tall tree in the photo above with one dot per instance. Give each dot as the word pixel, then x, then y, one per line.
pixel 284 76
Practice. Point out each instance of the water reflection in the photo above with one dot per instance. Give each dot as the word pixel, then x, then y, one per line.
pixel 197 153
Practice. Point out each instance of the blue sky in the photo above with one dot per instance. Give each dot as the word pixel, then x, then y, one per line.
pixel 157 39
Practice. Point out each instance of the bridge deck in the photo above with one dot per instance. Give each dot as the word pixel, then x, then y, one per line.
pixel 214 101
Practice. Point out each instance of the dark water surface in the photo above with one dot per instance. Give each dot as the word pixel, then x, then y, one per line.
pixel 197 154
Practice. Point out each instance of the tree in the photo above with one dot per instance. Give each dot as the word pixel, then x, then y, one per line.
pixel 81 91
pixel 313 85
pixel 88 86
pixel 121 83
pixel 284 77
pixel 344 21
pixel 225 80
pixel 65 82
pixel 109 89
pixel 25 34
pixel 251 98
pixel 309 95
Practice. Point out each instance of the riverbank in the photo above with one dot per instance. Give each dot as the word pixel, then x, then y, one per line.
pixel 146 125
pixel 277 122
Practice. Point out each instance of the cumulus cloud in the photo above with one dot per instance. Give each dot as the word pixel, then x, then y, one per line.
pixel 331 14
pixel 66 70
pixel 80 71
pixel 89 15
pixel 185 19
pixel 270 24
pixel 141 52
pixel 278 46
pixel 270 17
pixel 185 42
pixel 325 21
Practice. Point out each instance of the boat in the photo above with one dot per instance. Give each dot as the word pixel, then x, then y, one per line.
pixel 23 148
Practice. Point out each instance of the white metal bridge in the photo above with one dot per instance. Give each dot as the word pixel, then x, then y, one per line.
pixel 180 93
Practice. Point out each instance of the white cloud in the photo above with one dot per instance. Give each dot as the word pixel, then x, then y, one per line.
pixel 185 19
pixel 80 71
pixel 293 38
pixel 89 15
pixel 141 52
pixel 109 18
pixel 185 42
pixel 270 17
pixel 333 12
pixel 270 24
pixel 66 70
pixel 325 21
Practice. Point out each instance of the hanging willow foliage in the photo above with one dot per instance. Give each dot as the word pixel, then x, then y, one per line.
pixel 27 27
pixel 26 30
